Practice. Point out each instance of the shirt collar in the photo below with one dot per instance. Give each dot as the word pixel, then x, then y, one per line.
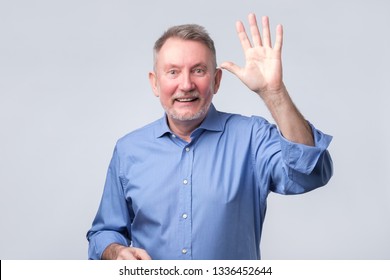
pixel 212 122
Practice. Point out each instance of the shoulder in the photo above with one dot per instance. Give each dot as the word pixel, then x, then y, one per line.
pixel 238 121
pixel 139 135
pixel 249 130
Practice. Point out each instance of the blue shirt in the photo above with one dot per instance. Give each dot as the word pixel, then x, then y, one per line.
pixel 205 199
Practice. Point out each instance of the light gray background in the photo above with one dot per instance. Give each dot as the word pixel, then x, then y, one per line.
pixel 73 79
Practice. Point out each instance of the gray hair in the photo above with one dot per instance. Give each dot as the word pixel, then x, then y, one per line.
pixel 192 32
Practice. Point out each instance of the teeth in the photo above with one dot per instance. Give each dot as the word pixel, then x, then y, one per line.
pixel 185 99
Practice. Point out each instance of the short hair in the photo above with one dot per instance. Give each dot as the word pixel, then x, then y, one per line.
pixel 192 32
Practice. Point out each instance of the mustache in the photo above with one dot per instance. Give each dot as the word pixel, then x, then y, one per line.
pixel 190 94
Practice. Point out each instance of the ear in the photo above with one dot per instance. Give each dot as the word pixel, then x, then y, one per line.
pixel 217 79
pixel 153 83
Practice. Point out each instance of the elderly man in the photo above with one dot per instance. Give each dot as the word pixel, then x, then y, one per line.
pixel 194 184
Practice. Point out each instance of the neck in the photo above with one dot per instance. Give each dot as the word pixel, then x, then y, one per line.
pixel 183 129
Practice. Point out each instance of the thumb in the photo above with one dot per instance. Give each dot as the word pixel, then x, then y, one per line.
pixel 231 67
pixel 141 254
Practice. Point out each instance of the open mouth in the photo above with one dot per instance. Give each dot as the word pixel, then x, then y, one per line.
pixel 184 100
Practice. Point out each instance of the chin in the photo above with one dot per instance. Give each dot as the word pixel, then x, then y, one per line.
pixel 189 116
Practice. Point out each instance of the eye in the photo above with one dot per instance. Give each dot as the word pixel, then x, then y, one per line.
pixel 172 73
pixel 199 71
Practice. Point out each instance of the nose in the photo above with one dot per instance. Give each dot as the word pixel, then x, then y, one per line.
pixel 186 83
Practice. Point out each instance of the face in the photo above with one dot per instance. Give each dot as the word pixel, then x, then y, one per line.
pixel 185 80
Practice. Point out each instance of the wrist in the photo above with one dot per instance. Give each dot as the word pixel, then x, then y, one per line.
pixel 276 99
pixel 112 251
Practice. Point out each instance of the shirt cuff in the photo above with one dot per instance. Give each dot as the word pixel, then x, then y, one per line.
pixel 303 158
pixel 101 240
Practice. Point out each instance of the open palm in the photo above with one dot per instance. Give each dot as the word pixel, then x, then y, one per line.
pixel 263 67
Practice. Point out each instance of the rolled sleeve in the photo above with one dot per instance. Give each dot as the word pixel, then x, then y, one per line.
pixel 303 158
pixel 99 242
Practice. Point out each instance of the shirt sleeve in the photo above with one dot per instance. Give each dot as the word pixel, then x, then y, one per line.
pixel 113 220
pixel 286 167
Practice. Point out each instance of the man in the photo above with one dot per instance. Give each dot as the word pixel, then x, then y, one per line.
pixel 193 185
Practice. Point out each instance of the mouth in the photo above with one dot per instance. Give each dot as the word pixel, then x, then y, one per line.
pixel 186 100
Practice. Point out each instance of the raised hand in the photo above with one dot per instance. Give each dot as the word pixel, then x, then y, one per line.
pixel 263 66
pixel 262 74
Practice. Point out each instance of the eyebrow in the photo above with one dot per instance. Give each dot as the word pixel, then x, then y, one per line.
pixel 200 64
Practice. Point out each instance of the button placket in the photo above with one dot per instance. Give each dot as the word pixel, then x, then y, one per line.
pixel 185 216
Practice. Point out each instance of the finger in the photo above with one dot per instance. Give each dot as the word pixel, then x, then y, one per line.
pixel 279 38
pixel 141 254
pixel 266 32
pixel 231 67
pixel 245 43
pixel 256 37
pixel 130 257
pixel 127 254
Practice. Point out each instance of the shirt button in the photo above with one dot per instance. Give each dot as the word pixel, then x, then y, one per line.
pixel 173 135
pixel 185 182
pixel 187 149
pixel 184 251
pixel 184 216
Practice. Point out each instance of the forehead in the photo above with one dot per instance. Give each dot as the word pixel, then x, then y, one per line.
pixel 179 51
